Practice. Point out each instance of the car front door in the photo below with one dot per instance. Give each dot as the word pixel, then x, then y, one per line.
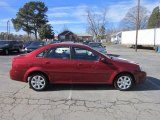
pixel 88 68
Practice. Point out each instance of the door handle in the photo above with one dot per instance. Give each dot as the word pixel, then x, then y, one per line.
pixel 80 64
pixel 47 62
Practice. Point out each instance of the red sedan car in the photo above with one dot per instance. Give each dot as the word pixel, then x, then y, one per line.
pixel 74 64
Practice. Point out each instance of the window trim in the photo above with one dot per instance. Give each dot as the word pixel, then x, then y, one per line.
pixel 55 48
pixel 72 58
pixel 44 56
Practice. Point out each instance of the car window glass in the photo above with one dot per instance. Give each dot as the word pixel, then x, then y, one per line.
pixel 14 42
pixel 42 54
pixel 84 54
pixel 95 45
pixel 4 42
pixel 59 52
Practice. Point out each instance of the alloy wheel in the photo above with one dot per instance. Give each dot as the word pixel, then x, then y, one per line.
pixel 124 82
pixel 38 82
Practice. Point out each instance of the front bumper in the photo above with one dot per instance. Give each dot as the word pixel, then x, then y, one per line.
pixel 140 77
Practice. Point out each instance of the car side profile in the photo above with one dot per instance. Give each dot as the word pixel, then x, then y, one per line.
pixel 74 64
pixel 7 46
pixel 34 45
pixel 98 47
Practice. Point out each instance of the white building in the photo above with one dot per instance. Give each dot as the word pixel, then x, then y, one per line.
pixel 116 38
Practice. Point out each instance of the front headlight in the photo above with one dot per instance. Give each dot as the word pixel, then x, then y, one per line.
pixel 26 49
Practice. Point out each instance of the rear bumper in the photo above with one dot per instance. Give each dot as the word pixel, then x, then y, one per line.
pixel 16 75
pixel 140 77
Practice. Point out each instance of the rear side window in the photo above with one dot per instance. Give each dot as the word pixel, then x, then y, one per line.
pixel 59 52
pixel 42 54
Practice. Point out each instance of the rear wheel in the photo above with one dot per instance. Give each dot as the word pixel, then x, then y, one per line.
pixel 123 82
pixel 19 50
pixel 38 82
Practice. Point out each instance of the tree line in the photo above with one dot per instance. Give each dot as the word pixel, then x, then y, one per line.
pixel 97 23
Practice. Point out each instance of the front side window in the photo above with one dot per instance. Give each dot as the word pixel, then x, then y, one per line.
pixel 59 52
pixel 84 54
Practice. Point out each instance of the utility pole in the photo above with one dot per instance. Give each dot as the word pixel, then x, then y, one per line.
pixel 8 29
pixel 137 25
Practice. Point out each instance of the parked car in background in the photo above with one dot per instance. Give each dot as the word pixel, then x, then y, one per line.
pixel 34 45
pixel 55 41
pixel 26 44
pixel 87 42
pixel 98 46
pixel 74 64
pixel 7 46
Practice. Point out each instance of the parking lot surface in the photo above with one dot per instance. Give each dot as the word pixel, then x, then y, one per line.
pixel 84 102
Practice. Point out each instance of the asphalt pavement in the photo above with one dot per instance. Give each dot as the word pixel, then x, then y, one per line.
pixel 84 102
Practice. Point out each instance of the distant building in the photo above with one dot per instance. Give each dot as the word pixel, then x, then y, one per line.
pixel 85 36
pixel 70 36
pixel 116 38
pixel 67 36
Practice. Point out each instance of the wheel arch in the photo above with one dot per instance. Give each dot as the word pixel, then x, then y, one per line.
pixel 38 72
pixel 124 72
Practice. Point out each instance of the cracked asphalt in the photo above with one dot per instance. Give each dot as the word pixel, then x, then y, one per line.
pixel 84 102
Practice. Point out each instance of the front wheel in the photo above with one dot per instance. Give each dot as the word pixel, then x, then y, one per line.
pixel 38 82
pixel 123 82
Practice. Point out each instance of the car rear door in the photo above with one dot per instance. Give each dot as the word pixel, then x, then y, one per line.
pixel 59 65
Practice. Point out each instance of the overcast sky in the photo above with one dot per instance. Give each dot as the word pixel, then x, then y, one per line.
pixel 71 13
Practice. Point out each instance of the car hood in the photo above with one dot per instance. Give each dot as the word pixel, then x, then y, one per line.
pixel 32 47
pixel 122 60
pixel 99 49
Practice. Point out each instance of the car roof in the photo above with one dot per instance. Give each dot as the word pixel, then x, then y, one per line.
pixel 7 40
pixel 59 45
pixel 67 44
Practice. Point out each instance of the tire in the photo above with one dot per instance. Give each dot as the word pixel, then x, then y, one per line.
pixel 18 50
pixel 38 82
pixel 6 51
pixel 123 82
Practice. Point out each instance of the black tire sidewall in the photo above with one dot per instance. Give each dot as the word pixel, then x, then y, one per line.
pixel 6 51
pixel 116 79
pixel 45 78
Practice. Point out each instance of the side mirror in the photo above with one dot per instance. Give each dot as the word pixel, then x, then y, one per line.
pixel 102 60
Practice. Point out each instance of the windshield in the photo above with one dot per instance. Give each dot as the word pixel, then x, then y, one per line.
pixel 27 43
pixel 36 44
pixel 4 42
pixel 95 44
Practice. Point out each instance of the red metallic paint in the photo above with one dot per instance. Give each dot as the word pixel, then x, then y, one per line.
pixel 73 71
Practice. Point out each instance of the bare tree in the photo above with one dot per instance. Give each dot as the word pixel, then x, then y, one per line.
pixel 96 23
pixel 129 21
pixel 4 36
